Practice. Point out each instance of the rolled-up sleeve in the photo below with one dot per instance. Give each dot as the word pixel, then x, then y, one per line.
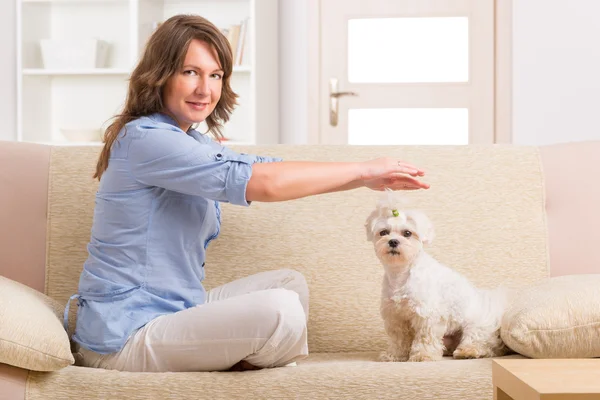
pixel 177 162
pixel 266 159
pixel 252 157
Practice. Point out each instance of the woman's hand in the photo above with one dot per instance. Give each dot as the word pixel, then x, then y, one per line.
pixel 391 173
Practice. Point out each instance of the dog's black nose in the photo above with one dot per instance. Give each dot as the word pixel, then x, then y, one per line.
pixel 394 243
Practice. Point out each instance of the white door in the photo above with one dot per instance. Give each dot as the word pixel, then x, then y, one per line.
pixel 406 72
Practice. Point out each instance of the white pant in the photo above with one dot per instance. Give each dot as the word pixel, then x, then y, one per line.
pixel 260 319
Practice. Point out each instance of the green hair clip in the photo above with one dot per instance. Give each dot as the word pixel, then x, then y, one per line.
pixel 395 213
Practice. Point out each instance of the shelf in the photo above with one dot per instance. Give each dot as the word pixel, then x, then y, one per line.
pixel 112 1
pixel 100 71
pixel 71 1
pixel 89 97
pixel 71 143
pixel 91 71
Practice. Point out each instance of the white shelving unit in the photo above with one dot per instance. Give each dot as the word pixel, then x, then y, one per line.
pixel 50 101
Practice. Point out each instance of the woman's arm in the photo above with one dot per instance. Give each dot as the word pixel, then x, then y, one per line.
pixel 161 158
pixel 289 180
pixel 296 179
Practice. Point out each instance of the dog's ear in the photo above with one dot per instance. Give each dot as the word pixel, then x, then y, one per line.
pixel 422 224
pixel 369 224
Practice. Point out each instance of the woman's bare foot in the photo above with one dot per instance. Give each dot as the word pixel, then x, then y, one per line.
pixel 244 366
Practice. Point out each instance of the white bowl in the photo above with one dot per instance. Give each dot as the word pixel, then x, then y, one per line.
pixel 82 135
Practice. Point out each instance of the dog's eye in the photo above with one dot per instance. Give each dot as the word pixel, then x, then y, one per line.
pixel 406 233
pixel 384 232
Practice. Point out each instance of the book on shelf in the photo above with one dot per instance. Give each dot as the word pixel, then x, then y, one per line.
pixel 237 35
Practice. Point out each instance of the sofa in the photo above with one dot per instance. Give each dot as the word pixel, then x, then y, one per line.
pixel 503 214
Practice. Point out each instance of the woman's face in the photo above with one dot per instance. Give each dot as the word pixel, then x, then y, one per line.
pixel 193 92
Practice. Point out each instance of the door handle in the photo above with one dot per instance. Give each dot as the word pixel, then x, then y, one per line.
pixel 334 95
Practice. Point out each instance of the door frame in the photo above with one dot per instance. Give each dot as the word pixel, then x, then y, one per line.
pixel 502 73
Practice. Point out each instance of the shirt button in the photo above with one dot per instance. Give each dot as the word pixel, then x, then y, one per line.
pixel 219 156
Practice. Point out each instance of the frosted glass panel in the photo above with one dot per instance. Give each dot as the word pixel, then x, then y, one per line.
pixel 408 126
pixel 408 49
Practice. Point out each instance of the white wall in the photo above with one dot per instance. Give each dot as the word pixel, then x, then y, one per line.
pixel 556 71
pixel 293 72
pixel 8 85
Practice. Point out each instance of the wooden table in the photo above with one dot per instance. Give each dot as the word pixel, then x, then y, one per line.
pixel 546 379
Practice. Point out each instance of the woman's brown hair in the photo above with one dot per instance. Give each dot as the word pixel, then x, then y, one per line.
pixel 163 57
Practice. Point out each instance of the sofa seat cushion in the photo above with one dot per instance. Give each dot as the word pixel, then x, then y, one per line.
pixel 320 376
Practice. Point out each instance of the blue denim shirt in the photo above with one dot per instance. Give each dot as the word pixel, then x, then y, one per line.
pixel 157 209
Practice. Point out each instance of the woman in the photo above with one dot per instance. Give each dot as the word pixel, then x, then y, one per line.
pixel 142 306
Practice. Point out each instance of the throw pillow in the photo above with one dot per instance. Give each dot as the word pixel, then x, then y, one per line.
pixel 31 330
pixel 555 318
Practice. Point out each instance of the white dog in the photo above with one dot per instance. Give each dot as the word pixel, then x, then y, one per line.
pixel 429 310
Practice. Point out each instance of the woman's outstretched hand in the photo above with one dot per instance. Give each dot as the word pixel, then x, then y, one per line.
pixel 392 173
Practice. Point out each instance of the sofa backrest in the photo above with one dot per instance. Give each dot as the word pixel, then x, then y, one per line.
pixel 488 205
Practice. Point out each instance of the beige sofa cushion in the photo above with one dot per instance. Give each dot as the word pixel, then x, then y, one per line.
pixel 556 318
pixel 31 331
pixel 321 376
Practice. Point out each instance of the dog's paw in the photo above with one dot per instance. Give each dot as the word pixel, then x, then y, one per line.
pixel 399 298
pixel 467 351
pixel 388 357
pixel 423 357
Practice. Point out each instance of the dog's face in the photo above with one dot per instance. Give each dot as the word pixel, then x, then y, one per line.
pixel 398 236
